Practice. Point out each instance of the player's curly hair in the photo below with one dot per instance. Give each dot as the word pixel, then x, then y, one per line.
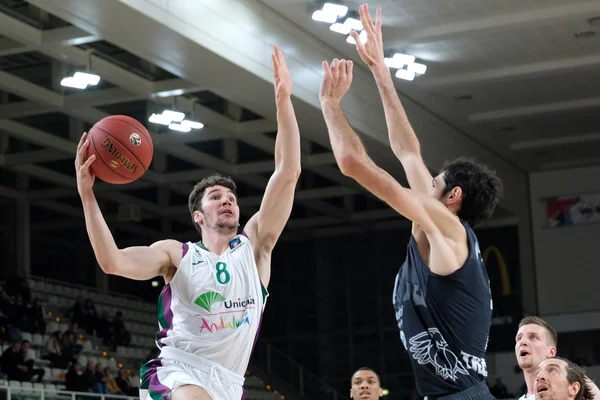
pixel 195 199
pixel 481 188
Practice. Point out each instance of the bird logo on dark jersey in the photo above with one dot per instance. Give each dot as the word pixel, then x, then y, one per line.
pixel 431 348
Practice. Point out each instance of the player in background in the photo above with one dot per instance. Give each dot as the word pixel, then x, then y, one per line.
pixel 560 379
pixel 366 385
pixel 537 340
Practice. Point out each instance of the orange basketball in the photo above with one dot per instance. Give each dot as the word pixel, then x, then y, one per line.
pixel 123 149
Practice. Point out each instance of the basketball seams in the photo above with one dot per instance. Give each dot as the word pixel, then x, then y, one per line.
pixel 104 161
pixel 149 139
pixel 125 146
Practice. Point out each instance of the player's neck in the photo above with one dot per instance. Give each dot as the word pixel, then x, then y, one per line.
pixel 529 381
pixel 216 242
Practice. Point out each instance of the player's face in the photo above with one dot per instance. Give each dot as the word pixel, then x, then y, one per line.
pixel 532 346
pixel 365 386
pixel 437 187
pixel 551 381
pixel 220 210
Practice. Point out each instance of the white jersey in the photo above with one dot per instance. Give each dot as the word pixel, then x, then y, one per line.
pixel 213 306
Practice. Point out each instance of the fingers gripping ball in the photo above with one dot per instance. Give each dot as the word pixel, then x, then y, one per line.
pixel 123 149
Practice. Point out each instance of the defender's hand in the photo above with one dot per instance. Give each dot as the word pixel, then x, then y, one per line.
pixel 336 80
pixel 370 52
pixel 281 75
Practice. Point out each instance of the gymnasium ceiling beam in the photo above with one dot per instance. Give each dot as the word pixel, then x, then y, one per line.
pixel 525 145
pixel 9 47
pixel 66 36
pixel 535 109
pixel 245 131
pixel 57 144
pixel 396 37
pixel 39 137
pixel 12 193
pixel 513 71
pixel 117 75
pixel 231 59
pixel 249 132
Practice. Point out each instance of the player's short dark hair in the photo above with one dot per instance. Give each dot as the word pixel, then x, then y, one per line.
pixel 367 369
pixel 533 320
pixel 195 199
pixel 577 374
pixel 481 188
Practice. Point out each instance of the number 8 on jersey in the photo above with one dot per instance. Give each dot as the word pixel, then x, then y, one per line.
pixel 223 276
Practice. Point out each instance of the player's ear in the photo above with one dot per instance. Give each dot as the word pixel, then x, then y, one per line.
pixel 574 388
pixel 380 392
pixel 455 195
pixel 198 217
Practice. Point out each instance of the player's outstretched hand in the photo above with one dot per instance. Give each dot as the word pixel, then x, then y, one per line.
pixel 336 80
pixel 85 177
pixel 370 52
pixel 281 74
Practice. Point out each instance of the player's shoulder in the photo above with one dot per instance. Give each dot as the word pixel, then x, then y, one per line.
pixel 168 245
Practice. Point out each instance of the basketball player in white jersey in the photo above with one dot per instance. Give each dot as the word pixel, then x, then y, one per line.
pixel 536 341
pixel 560 379
pixel 211 307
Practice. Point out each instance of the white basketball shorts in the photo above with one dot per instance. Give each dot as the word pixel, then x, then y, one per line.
pixel 161 377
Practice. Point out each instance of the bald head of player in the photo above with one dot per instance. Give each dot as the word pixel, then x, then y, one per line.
pixel 535 341
pixel 366 385
pixel 213 206
pixel 560 379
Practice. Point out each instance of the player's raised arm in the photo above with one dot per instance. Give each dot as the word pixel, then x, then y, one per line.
pixel 403 140
pixel 140 262
pixel 354 162
pixel 265 227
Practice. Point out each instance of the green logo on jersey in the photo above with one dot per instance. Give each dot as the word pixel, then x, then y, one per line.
pixel 206 300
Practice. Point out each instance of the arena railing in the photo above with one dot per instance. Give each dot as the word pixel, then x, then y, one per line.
pixel 275 362
pixel 87 288
pixel 15 393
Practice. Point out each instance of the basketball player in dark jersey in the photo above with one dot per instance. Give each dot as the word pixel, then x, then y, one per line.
pixel 442 297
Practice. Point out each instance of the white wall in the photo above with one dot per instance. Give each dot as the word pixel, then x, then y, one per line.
pixel 567 259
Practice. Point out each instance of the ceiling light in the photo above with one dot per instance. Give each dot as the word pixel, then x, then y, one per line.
pixel 398 60
pixel 73 83
pixel 404 74
pixel 337 9
pixel 416 68
pixel 192 124
pixel 362 37
pixel 175 116
pixel 330 13
pixel 91 79
pixel 340 28
pixel 322 16
pixel 80 80
pixel 159 119
pixel 180 128
pixel 353 23
pixel 175 121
